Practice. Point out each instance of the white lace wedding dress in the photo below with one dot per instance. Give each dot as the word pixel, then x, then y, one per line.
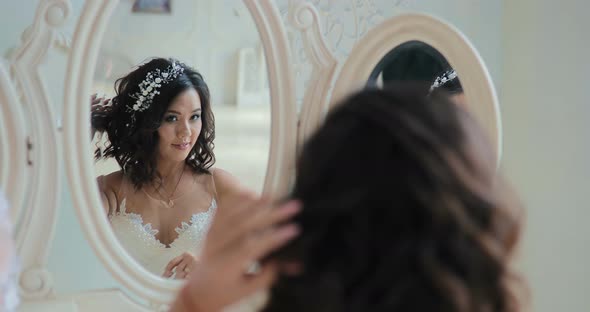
pixel 139 239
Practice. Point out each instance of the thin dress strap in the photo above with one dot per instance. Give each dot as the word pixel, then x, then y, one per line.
pixel 213 188
pixel 121 195
pixel 103 190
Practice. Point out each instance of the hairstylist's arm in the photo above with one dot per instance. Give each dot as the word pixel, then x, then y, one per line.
pixel 241 234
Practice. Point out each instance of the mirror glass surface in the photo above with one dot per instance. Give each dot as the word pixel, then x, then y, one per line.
pixel 421 64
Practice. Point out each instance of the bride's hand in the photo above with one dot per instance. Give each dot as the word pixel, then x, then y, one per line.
pixel 99 108
pixel 244 230
pixel 98 104
pixel 180 266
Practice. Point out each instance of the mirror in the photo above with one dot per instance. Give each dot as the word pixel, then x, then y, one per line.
pixel 161 206
pixel 417 62
pixel 422 47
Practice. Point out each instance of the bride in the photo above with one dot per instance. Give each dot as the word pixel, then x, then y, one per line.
pixel 161 129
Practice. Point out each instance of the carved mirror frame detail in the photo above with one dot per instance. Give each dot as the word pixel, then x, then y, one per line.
pixel 305 17
pixel 33 158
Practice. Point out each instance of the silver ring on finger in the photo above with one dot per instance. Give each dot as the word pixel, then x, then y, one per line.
pixel 252 268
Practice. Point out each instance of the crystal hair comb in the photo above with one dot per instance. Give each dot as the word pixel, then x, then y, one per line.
pixel 442 79
pixel 148 88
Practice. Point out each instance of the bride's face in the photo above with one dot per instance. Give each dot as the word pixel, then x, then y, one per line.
pixel 180 126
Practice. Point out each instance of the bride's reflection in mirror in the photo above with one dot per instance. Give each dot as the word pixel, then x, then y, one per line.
pixel 161 128
pixel 421 64
pixel 175 136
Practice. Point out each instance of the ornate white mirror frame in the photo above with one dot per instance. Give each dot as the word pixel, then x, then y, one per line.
pixel 30 129
pixel 372 47
pixel 81 177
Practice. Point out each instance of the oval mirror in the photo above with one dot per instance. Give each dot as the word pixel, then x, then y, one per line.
pixel 427 50
pixel 182 118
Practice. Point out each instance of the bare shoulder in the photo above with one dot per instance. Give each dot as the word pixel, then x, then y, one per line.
pixel 108 186
pixel 110 182
pixel 227 184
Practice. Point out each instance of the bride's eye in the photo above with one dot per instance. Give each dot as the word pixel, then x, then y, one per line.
pixel 170 118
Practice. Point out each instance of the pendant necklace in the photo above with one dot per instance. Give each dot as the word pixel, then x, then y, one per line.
pixel 169 202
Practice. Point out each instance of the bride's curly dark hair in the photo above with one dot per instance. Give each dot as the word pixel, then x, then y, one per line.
pixel 401 212
pixel 133 142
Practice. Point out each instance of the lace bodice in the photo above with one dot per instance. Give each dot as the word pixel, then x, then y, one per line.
pixel 139 239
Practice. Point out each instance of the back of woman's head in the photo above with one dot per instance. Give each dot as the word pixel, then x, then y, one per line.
pixel 412 61
pixel 399 213
pixel 132 122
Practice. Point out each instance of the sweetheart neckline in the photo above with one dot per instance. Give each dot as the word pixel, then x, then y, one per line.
pixel 181 229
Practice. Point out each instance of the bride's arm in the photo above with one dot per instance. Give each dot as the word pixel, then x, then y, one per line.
pixel 100 114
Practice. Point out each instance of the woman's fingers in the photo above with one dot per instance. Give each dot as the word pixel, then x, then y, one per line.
pixel 98 104
pixel 241 207
pixel 257 236
pixel 182 268
pixel 227 225
pixel 179 274
pixel 94 99
pixel 260 246
pixel 267 219
pixel 261 280
pixel 261 217
pixel 263 223
pixel 171 265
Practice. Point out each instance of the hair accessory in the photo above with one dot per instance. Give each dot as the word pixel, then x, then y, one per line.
pixel 442 79
pixel 148 88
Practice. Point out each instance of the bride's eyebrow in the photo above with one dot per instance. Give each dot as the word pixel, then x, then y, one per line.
pixel 178 113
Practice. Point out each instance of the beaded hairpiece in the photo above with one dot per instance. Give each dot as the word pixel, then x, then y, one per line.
pixel 148 88
pixel 442 79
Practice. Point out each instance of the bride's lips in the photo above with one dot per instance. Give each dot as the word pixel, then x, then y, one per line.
pixel 182 146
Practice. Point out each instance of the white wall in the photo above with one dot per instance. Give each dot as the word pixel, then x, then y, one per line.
pixel 19 15
pixel 546 114
pixel 480 21
pixel 204 34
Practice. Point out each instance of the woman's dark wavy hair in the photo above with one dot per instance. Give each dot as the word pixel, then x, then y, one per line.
pixel 398 213
pixel 134 144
